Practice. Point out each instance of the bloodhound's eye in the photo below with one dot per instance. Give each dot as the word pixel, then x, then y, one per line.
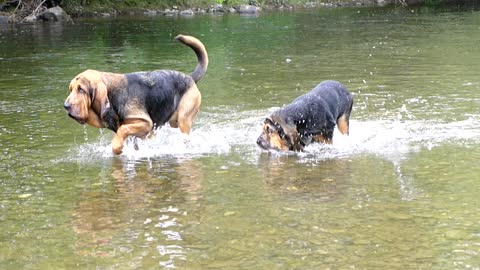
pixel 81 90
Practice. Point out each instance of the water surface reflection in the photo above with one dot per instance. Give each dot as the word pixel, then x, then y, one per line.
pixel 400 192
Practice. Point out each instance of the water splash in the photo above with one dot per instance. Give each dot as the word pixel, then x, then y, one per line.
pixel 394 139
pixel 219 133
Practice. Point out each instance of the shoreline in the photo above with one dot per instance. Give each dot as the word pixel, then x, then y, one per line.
pixel 219 8
pixel 14 14
pixel 72 10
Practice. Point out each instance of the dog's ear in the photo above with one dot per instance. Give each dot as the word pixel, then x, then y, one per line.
pixel 292 136
pixel 269 121
pixel 100 95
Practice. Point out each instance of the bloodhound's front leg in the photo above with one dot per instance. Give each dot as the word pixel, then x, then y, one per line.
pixel 130 127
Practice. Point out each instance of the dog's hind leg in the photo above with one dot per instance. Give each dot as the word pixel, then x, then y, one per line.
pixel 343 124
pixel 187 110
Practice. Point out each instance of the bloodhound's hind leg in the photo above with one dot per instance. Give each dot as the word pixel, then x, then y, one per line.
pixel 187 110
pixel 131 127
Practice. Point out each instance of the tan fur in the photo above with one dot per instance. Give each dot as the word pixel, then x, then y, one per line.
pixel 309 118
pixel 88 101
pixel 131 127
pixel 273 138
pixel 290 131
pixel 342 124
pixel 277 142
pixel 94 83
pixel 321 139
pixel 138 124
pixel 187 110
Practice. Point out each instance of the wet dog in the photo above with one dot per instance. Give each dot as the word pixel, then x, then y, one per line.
pixel 309 118
pixel 133 104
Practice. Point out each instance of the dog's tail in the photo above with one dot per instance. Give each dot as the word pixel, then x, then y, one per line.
pixel 201 53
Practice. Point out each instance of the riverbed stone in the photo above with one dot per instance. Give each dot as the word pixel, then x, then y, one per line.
pixel 150 12
pixel 248 9
pixel 170 12
pixel 54 14
pixel 187 12
pixel 216 8
pixel 381 3
pixel 3 19
pixel 30 18
pixel 311 4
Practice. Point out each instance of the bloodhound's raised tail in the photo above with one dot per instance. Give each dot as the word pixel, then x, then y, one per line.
pixel 134 104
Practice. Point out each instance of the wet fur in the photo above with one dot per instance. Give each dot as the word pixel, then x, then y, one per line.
pixel 133 104
pixel 309 118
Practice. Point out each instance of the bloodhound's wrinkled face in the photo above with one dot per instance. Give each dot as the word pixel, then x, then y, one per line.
pixel 82 95
pixel 273 137
pixel 79 101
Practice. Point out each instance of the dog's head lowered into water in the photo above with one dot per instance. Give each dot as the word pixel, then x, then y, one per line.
pixel 309 118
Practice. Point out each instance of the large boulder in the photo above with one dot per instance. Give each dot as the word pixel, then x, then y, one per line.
pixel 54 14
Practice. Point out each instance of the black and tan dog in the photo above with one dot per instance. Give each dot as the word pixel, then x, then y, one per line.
pixel 133 104
pixel 309 118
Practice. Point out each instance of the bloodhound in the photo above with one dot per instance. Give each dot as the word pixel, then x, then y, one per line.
pixel 309 118
pixel 134 104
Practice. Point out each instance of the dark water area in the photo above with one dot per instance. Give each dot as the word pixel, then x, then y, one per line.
pixel 401 192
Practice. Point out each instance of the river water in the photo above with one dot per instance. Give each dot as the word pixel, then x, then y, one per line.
pixel 401 192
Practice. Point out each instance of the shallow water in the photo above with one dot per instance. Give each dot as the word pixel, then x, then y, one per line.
pixel 401 192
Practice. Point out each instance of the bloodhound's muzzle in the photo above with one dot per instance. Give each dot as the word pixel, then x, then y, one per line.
pixel 133 104
pixel 309 118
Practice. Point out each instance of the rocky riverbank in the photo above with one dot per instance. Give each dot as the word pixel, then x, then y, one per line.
pixel 18 11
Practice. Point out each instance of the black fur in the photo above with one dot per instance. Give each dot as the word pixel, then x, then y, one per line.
pixel 157 92
pixel 317 112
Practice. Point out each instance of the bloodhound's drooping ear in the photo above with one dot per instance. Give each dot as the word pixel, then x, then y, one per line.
pixel 100 95
pixel 269 121
pixel 288 132
pixel 88 98
pixel 291 134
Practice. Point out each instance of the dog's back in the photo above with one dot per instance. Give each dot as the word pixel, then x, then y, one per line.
pixel 159 91
pixel 318 111
pixel 309 118
pixel 336 96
